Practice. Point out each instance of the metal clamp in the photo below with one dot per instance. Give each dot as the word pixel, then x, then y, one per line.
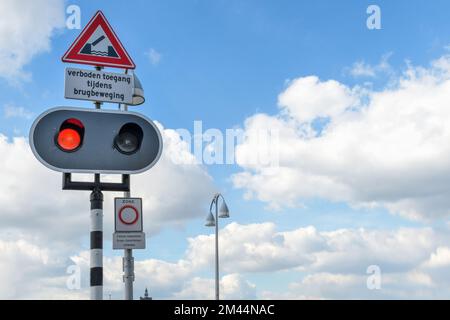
pixel 68 184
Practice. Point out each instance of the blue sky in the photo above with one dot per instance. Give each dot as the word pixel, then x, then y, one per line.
pixel 222 62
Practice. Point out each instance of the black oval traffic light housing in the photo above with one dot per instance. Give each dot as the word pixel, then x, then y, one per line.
pixel 129 138
pixel 109 141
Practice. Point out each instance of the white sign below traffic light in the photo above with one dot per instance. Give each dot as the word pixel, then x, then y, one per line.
pixel 128 224
pixel 128 214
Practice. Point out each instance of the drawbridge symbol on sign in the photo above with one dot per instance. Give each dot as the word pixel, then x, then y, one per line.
pixel 99 47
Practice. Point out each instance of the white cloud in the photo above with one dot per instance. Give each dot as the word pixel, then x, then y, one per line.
pixel 389 150
pixel 363 69
pixel 232 286
pixel 308 98
pixel 328 264
pixel 11 111
pixel 33 201
pixel 333 264
pixel 153 56
pixel 26 27
pixel 31 271
pixel 260 248
pixel 254 248
pixel 439 259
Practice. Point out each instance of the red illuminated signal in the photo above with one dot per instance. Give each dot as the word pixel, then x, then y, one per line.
pixel 69 139
pixel 70 135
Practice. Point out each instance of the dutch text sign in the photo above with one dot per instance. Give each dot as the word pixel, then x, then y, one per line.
pixel 98 86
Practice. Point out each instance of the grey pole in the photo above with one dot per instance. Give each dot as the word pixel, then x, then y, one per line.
pixel 96 259
pixel 212 221
pixel 128 260
pixel 128 268
pixel 217 250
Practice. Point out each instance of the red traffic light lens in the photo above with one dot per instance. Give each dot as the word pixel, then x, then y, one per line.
pixel 69 139
pixel 70 135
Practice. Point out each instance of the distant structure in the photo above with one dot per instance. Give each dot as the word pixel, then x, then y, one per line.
pixel 146 297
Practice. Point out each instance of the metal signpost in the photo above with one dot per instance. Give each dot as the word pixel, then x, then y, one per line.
pixel 78 140
pixel 128 235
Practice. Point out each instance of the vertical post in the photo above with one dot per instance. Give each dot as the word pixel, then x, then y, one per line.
pixel 96 259
pixel 128 260
pixel 128 268
pixel 217 251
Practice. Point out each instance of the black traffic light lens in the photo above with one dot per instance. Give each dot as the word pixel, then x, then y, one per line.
pixel 129 139
pixel 70 135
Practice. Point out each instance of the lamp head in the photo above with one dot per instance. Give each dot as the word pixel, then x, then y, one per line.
pixel 210 221
pixel 224 212
pixel 138 92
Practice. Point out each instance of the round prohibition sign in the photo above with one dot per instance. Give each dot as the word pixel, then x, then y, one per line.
pixel 136 215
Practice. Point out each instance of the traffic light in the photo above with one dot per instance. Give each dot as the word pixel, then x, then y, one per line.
pixel 95 141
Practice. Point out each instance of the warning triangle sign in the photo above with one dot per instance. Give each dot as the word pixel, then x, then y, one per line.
pixel 98 45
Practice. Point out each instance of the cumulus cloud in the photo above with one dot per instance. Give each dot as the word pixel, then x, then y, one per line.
pixel 261 248
pixel 31 271
pixel 334 264
pixel 232 286
pixel 254 248
pixel 25 30
pixel 308 98
pixel 385 148
pixel 33 201
pixel 363 69
pixel 325 265
pixel 328 264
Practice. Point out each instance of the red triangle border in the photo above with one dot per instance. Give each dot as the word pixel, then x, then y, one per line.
pixel 72 54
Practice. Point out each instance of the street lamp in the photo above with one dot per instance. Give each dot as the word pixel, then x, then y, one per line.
pixel 214 222
pixel 138 92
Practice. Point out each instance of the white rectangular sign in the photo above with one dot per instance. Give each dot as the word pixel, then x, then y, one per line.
pixel 129 240
pixel 96 85
pixel 128 214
